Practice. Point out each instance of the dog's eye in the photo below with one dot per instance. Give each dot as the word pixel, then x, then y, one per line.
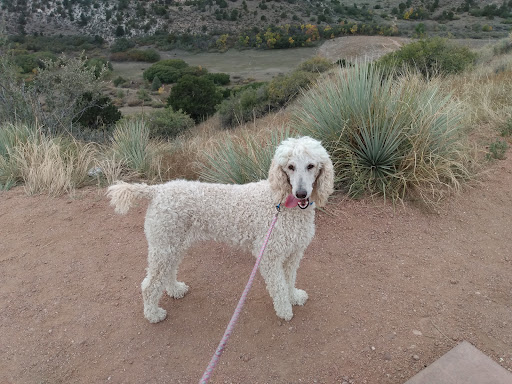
pixel 311 166
pixel 291 167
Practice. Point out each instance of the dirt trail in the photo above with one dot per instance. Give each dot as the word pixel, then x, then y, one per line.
pixel 390 291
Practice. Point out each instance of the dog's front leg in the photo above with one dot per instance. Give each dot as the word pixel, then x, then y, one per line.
pixel 291 265
pixel 274 276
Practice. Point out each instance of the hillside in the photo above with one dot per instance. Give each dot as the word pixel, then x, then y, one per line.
pixel 128 18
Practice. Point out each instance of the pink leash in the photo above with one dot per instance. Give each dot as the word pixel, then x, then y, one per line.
pixel 241 302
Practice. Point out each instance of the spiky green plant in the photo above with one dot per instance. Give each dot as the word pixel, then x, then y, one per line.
pixel 391 137
pixel 131 144
pixel 240 160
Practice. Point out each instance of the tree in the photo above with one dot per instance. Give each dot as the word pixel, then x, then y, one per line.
pixel 197 96
pixel 101 113
pixel 60 88
pixel 156 84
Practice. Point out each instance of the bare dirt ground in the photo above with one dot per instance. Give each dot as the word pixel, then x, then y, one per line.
pixel 390 291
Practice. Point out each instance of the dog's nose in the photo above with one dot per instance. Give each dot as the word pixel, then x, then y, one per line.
pixel 301 194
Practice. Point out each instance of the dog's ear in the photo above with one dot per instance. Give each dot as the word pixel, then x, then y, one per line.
pixel 324 184
pixel 278 182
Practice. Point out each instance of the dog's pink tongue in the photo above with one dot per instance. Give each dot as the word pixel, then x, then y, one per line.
pixel 291 201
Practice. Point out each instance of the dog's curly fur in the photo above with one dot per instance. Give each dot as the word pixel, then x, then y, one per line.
pixel 183 212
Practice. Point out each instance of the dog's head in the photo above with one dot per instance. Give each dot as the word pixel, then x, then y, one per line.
pixel 301 172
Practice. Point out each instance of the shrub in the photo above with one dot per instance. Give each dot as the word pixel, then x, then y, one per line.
pixel 431 57
pixel 194 71
pixel 315 65
pixel 284 88
pixel 143 94
pixel 99 115
pixel 121 45
pixel 219 78
pixel 156 84
pixel 243 106
pixel 394 138
pixel 99 64
pixel 55 98
pixel 29 62
pixel 197 96
pixel 166 123
pixel 119 81
pixel 168 71
pixel 147 55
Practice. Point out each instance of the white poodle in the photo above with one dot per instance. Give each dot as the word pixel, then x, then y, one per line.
pixel 183 212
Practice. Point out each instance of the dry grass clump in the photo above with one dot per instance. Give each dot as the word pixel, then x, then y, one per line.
pixel 53 166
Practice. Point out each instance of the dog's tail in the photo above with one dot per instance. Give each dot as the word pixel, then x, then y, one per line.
pixel 123 194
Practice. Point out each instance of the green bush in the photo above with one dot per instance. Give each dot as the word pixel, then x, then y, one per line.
pixel 197 96
pixel 146 55
pixel 394 137
pixel 219 78
pixel 168 71
pixel 29 62
pixel 431 57
pixel 243 106
pixel 121 45
pixel 284 88
pixel 56 43
pixel 119 81
pixel 166 123
pixel 315 65
pixel 56 96
pixel 102 113
pixel 194 71
pixel 99 64
pixel 167 75
pixel 156 84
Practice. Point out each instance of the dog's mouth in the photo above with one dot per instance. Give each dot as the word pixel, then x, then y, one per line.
pixel 292 201
pixel 303 204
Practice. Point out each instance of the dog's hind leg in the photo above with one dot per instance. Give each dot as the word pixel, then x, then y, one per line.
pixel 297 296
pixel 161 269
pixel 174 288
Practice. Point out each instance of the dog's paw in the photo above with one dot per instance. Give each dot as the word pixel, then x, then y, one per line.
pixel 285 314
pixel 155 315
pixel 178 290
pixel 299 297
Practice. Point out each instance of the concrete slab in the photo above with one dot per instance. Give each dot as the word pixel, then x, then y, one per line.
pixel 464 364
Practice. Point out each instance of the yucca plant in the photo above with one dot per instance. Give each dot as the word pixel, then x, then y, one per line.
pixel 240 160
pixel 131 144
pixel 394 137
